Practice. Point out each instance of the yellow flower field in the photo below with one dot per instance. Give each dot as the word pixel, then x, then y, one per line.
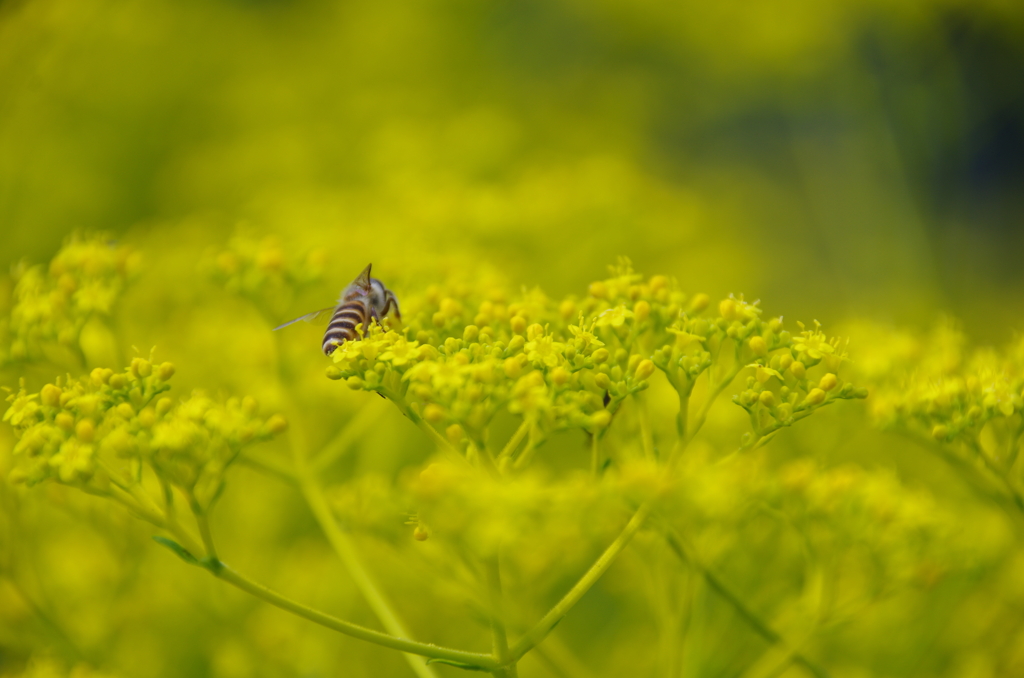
pixel 703 362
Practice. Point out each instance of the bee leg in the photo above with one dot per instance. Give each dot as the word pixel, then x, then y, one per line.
pixel 390 300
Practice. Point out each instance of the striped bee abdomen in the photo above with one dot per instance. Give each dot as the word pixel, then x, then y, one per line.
pixel 343 324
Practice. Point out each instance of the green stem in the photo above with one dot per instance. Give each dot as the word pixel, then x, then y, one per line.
pixel 269 466
pixel 356 426
pixel 469 659
pixel 404 408
pixel 527 455
pixel 364 582
pixel 513 442
pixel 1018 499
pixel 646 434
pixel 594 453
pixel 712 395
pixel 499 637
pixel 760 626
pixel 682 418
pixel 688 432
pixel 543 627
pixel 204 526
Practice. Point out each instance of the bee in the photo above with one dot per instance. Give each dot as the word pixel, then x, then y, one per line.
pixel 363 300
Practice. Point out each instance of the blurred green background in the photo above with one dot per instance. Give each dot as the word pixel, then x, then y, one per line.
pixel 835 158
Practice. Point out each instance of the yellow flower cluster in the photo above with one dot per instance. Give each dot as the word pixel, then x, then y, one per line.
pixel 793 376
pixel 52 305
pixel 854 514
pixel 261 270
pixel 969 402
pixel 947 392
pixel 101 429
pixel 460 360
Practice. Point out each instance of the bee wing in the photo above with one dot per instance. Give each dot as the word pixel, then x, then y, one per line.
pixel 319 317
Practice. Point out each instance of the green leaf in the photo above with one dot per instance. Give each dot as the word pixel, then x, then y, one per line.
pixel 178 549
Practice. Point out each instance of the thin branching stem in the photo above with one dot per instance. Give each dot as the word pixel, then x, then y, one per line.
pixel 646 434
pixel 499 637
pixel 468 659
pixel 688 556
pixel 343 546
pixel 513 443
pixel 543 627
pixel 359 424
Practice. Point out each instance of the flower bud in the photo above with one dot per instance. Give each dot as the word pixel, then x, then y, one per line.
pixel 420 533
pixel 455 434
pixel 658 282
pixel 815 397
pixel 644 370
pixel 828 382
pixel 534 331
pixel 598 290
pixel 602 381
pixel 163 406
pixel 518 324
pixel 100 375
pixel 64 420
pixel 126 411
pixel 513 368
pixel 559 376
pixel 85 430
pixel 141 367
pixel 940 432
pixel 470 334
pixel 433 413
pixel 438 319
pixel 767 398
pixel 634 360
pixel 118 381
pixel 50 395
pixel 758 346
pixel 601 419
pixel 450 308
pixel 147 417
pixel 516 344
pixel 567 309
pixel 600 356
pixel 165 371
pixel 277 424
pixel 727 309
pixel 641 311
pixel 270 259
pixel 775 325
pixel 333 372
pixel 250 406
pixel 798 369
pixel 699 302
pixel 785 362
pixel 354 383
